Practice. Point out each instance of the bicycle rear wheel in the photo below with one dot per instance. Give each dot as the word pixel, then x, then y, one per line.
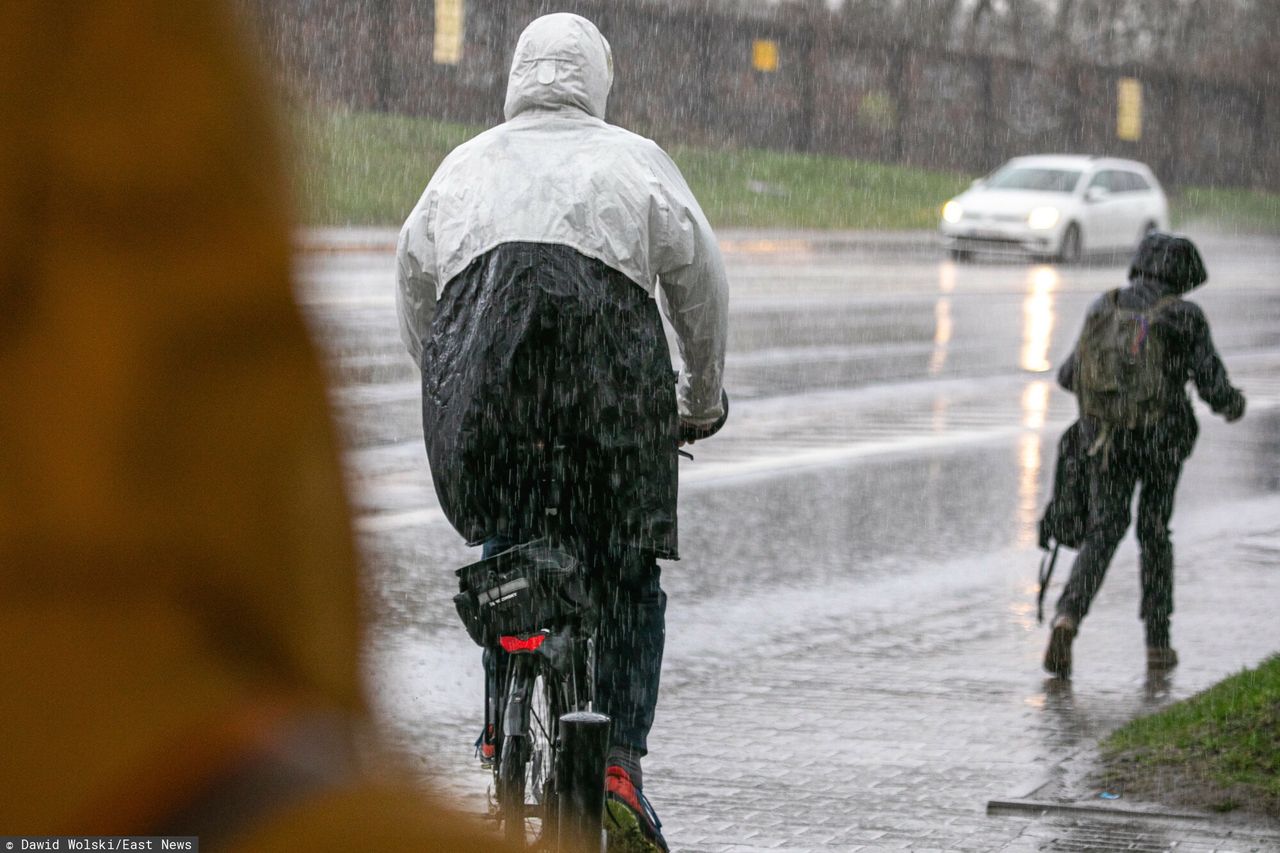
pixel 526 788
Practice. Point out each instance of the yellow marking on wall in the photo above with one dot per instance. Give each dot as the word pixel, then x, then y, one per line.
pixel 449 32
pixel 1129 109
pixel 764 55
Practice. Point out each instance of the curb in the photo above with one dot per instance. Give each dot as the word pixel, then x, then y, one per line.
pixel 1043 807
pixel 1062 780
pixel 773 240
pixel 733 241
pixel 325 241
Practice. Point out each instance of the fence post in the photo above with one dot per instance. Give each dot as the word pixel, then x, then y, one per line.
pixel 1182 94
pixel 1258 153
pixel 988 114
pixel 382 29
pixel 499 12
pixel 707 105
pixel 901 106
pixel 807 86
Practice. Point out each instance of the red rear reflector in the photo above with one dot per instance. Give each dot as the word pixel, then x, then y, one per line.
pixel 515 644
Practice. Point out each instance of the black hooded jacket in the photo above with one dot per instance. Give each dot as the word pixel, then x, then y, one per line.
pixel 1166 265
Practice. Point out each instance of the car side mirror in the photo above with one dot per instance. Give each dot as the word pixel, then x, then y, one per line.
pixel 1096 194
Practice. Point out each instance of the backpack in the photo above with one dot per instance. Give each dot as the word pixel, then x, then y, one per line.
pixel 1121 377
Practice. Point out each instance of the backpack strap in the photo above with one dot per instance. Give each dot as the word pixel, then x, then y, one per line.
pixel 1102 442
pixel 1163 302
pixel 1113 298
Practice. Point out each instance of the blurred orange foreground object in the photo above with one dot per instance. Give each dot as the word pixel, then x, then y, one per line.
pixel 178 586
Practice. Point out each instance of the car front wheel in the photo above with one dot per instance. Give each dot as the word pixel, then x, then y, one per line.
pixel 1072 247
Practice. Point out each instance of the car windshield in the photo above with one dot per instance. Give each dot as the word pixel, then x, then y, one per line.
pixel 1041 179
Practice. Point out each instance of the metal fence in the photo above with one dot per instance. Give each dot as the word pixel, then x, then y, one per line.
pixel 796 81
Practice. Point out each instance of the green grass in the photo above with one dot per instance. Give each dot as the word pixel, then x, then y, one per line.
pixel 369 169
pixel 770 189
pixel 1228 736
pixel 1248 211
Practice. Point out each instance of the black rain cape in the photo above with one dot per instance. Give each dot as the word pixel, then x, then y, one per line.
pixel 535 346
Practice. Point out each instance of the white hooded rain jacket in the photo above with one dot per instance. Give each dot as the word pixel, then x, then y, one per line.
pixel 555 172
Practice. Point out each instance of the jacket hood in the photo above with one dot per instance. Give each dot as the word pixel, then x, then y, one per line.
pixel 560 60
pixel 1169 259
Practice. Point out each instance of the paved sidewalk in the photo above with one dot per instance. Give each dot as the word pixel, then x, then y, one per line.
pixel 891 726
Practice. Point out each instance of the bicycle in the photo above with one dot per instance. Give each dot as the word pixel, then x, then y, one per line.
pixel 534 609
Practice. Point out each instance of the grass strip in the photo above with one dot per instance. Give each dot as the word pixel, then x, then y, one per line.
pixel 771 189
pixel 1246 211
pixel 1219 749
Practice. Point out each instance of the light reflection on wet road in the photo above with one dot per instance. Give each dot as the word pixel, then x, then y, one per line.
pixel 892 438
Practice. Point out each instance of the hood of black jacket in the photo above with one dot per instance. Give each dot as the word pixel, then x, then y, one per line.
pixel 1170 260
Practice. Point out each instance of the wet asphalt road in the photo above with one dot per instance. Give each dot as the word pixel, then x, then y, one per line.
pixel 861 531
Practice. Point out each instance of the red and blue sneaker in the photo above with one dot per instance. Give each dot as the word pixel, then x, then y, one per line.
pixel 486 749
pixel 631 823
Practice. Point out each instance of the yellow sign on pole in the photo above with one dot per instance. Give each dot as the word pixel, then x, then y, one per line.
pixel 449 32
pixel 764 55
pixel 1129 109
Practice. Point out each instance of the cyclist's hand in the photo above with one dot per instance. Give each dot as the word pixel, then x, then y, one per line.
pixel 688 433
pixel 691 432
pixel 1236 411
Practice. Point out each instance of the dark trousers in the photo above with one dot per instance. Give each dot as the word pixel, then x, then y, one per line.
pixel 1131 462
pixel 632 638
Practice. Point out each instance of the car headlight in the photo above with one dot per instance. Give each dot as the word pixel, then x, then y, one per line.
pixel 952 211
pixel 1043 218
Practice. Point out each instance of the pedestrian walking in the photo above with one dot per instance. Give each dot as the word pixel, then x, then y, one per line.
pixel 1140 346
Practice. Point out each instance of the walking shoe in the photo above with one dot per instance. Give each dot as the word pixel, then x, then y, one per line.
pixel 1161 657
pixel 486 749
pixel 630 821
pixel 1057 658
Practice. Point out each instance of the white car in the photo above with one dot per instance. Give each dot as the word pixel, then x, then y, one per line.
pixel 1056 206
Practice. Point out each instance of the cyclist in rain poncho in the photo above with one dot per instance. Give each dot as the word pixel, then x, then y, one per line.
pixel 528 273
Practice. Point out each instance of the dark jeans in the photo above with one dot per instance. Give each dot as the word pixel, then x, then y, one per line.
pixel 1114 474
pixel 632 637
